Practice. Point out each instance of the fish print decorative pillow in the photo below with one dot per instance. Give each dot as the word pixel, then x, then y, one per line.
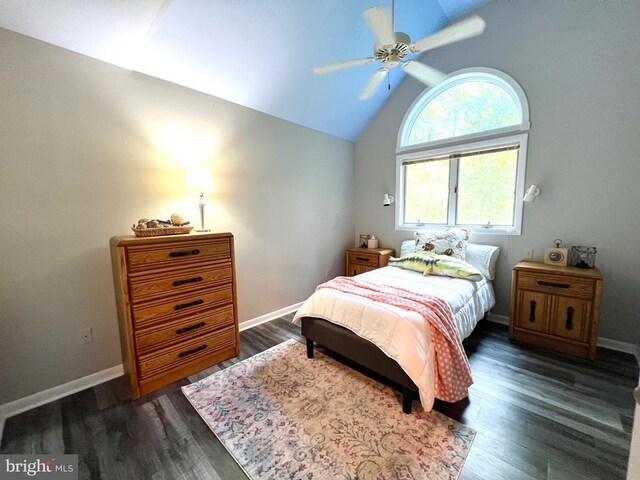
pixel 429 263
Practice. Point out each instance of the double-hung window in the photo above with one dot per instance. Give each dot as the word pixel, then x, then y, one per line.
pixel 461 155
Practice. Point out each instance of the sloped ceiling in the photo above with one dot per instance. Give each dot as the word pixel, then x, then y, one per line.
pixel 257 53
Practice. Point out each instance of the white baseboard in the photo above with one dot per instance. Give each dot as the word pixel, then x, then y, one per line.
pixel 501 319
pixel 254 322
pixel 602 342
pixel 37 399
pixel 616 345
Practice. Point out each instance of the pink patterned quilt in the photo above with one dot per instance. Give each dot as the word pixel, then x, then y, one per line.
pixel 452 376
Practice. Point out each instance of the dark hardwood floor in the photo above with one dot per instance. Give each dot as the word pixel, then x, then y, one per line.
pixel 538 414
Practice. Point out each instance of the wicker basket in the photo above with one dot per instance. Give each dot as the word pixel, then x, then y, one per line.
pixel 153 232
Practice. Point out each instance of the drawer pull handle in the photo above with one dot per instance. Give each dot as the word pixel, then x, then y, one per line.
pixel 363 259
pixel 532 311
pixel 177 283
pixel 569 324
pixel 180 306
pixel 193 350
pixel 189 328
pixel 553 284
pixel 184 253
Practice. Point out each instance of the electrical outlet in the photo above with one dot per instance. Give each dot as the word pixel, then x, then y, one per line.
pixel 528 254
pixel 86 335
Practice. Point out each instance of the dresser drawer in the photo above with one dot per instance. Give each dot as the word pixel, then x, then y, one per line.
pixel 184 353
pixel 151 313
pixel 168 333
pixel 148 287
pixel 145 257
pixel 556 284
pixel 364 259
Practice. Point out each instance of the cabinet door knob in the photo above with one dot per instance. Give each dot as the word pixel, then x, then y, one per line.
pixel 184 253
pixel 180 306
pixel 177 283
pixel 544 283
pixel 569 324
pixel 192 351
pixel 189 328
pixel 532 311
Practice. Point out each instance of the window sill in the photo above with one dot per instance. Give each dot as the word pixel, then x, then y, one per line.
pixel 473 230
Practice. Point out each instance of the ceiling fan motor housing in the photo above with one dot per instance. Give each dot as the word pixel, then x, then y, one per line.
pixel 393 53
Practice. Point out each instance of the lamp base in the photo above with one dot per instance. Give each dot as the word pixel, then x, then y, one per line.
pixel 201 231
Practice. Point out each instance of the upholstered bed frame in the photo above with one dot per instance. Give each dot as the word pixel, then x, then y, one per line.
pixel 346 343
pixel 343 341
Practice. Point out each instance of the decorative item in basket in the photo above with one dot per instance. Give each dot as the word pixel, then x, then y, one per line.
pixel 150 228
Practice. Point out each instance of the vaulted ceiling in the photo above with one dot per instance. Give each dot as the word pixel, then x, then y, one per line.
pixel 257 53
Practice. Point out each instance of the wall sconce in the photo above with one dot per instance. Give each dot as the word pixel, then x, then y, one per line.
pixel 387 199
pixel 200 181
pixel 532 192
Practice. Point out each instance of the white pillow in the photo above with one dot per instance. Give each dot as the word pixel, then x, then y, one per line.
pixel 452 242
pixel 407 247
pixel 484 258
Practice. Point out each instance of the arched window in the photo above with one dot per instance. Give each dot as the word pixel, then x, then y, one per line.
pixel 461 155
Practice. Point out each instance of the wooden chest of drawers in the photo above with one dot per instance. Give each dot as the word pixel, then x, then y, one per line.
pixel 176 299
pixel 556 307
pixel 360 260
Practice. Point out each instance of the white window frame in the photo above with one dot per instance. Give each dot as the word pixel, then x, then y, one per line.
pixel 465 143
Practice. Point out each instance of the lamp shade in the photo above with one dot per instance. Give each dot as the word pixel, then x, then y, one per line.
pixel 200 180
pixel 532 192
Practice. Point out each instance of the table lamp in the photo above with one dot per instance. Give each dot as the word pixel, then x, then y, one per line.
pixel 200 181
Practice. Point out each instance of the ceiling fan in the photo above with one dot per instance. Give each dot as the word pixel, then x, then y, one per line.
pixel 391 48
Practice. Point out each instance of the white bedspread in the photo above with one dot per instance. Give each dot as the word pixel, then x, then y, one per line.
pixel 403 335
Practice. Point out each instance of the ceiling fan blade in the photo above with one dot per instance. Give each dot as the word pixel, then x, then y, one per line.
pixel 426 74
pixel 373 84
pixel 467 28
pixel 379 19
pixel 333 67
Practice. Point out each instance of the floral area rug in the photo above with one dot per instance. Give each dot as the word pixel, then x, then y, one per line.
pixel 284 416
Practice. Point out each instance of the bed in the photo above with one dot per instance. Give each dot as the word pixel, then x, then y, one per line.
pixel 359 330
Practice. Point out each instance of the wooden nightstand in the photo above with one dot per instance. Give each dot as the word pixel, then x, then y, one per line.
pixel 360 260
pixel 556 307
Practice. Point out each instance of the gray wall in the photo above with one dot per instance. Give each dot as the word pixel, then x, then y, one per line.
pixel 88 148
pixel 579 63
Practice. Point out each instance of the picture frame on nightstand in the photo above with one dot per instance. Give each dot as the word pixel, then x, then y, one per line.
pixel 364 240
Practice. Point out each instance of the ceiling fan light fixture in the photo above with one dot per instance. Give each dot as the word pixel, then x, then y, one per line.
pixel 391 48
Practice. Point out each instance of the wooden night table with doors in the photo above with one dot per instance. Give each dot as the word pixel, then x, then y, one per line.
pixel 360 260
pixel 556 307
